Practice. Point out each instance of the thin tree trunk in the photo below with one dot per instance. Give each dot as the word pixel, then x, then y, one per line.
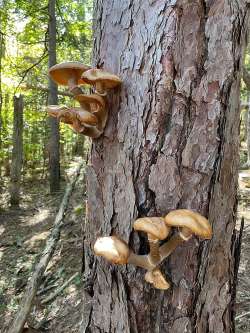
pixel 248 133
pixel 17 152
pixel 53 146
pixel 78 147
pixel 1 93
pixel 171 141
pixel 1 96
pixel 245 122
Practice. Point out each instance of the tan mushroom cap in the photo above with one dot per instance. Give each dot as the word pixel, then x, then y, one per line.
pixel 68 115
pixel 195 222
pixel 107 79
pixel 65 71
pixel 154 226
pixel 91 99
pixel 62 113
pixel 113 249
pixel 156 278
pixel 84 116
pixel 55 110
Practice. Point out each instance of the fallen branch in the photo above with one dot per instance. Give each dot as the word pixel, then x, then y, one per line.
pixel 57 291
pixel 47 253
pixel 242 315
pixel 43 291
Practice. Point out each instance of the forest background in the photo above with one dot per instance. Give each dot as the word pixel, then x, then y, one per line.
pixel 25 50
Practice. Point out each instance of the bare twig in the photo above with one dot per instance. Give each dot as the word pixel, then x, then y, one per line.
pixel 57 291
pixel 44 290
pixel 25 73
pixel 242 315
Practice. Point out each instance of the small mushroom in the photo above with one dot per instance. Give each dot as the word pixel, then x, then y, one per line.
pixel 96 105
pixel 56 110
pixel 189 223
pixel 67 115
pixel 80 120
pixel 156 230
pixel 113 249
pixel 156 278
pixel 63 114
pixel 117 251
pixel 101 79
pixel 69 74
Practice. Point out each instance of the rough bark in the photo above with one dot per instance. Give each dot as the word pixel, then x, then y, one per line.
pixel 17 152
pixel 171 142
pixel 54 139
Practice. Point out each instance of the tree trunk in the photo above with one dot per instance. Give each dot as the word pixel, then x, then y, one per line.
pixel 248 133
pixel 17 152
pixel 78 147
pixel 171 141
pixel 53 146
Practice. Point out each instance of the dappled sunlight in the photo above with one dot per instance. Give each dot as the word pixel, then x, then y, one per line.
pixel 37 238
pixel 1 229
pixel 41 216
pixel 72 167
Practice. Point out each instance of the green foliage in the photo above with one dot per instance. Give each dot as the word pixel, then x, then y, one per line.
pixel 24 58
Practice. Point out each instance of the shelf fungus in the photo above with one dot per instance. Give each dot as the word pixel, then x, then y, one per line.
pixel 101 79
pixel 91 117
pixel 69 74
pixel 188 222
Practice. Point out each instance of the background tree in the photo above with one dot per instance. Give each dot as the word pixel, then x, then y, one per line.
pixel 24 70
pixel 54 146
pixel 17 152
pixel 171 142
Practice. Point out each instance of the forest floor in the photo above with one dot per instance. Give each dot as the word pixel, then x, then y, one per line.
pixel 242 318
pixel 23 234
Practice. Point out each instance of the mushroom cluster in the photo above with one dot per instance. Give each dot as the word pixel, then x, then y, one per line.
pixel 91 117
pixel 188 222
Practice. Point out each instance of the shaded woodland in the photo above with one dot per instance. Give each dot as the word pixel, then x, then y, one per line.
pixel 179 121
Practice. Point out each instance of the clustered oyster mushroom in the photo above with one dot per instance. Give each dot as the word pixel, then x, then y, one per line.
pixel 188 222
pixel 91 117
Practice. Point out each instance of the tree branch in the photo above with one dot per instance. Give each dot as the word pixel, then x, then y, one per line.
pixel 25 73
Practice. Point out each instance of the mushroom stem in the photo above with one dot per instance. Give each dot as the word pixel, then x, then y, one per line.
pixel 102 115
pixel 99 89
pixel 76 90
pixel 167 248
pixel 140 261
pixel 85 105
pixel 154 254
pixel 72 82
pixel 91 131
pixel 185 233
